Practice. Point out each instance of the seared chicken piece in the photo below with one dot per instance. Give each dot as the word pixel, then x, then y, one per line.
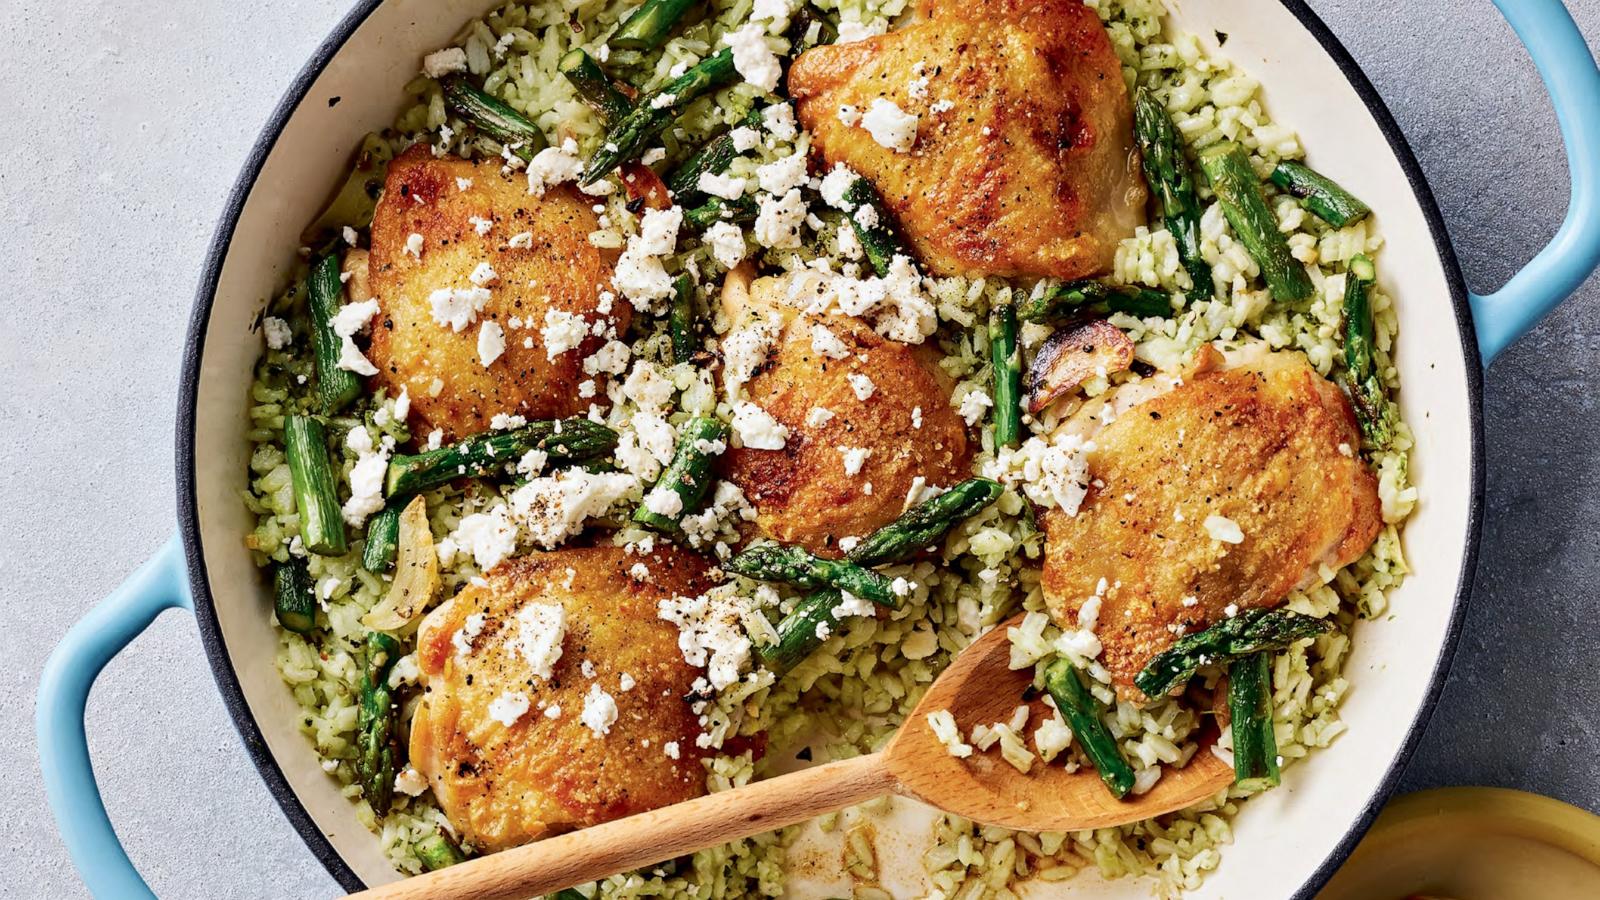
pixel 548 772
pixel 803 493
pixel 425 239
pixel 1258 439
pixel 1024 161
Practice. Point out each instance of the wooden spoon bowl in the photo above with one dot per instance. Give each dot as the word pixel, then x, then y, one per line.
pixel 979 687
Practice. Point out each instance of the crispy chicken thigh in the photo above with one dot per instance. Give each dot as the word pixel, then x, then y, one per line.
pixel 1257 438
pixel 547 772
pixel 1023 163
pixel 426 239
pixel 803 493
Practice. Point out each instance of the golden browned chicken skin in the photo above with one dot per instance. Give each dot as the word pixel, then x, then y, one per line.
pixel 1024 161
pixel 801 493
pixel 554 268
pixel 503 786
pixel 1260 439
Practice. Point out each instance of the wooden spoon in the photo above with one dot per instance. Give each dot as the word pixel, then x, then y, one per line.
pixel 978 687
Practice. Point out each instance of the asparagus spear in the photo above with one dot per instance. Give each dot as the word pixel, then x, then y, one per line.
pixel 1171 181
pixel 689 473
pixel 714 157
pixel 925 523
pixel 1095 297
pixel 1082 711
pixel 922 525
pixel 437 852
pixel 1361 374
pixel 872 228
pixel 321 518
pixel 1250 632
pixel 493 117
pixel 1239 192
pixel 1320 194
pixel 378 746
pixel 1007 360
pixel 336 387
pixel 594 87
pixel 565 440
pixel 292 597
pixel 681 320
pixel 655 112
pixel 1255 747
pixel 716 210
pixel 794 565
pixel 383 536
pixel 802 631
pixel 650 24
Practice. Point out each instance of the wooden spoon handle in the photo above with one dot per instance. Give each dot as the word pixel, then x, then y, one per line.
pixel 554 863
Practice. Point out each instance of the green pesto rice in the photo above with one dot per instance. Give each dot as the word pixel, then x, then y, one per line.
pixel 850 696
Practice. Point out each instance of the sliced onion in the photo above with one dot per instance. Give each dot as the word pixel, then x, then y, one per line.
pixel 416 573
pixel 1074 354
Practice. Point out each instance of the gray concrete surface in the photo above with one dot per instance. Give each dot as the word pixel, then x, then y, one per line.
pixel 125 130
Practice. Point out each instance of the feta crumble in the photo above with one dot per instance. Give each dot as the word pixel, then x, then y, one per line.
pixel 752 58
pixel 509 707
pixel 1224 529
pixel 599 711
pixel 277 332
pixel 491 343
pixel 755 428
pixel 889 125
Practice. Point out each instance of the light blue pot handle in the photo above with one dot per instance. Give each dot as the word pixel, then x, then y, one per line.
pixel 70 672
pixel 1569 72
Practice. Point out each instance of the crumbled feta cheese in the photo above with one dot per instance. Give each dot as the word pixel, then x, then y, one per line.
pixel 481 224
pixel 745 350
pixel 671 750
pixel 553 508
pixel 413 245
pixel 467 633
pixel 744 138
pixel 941 107
pixel 463 184
pixel 411 782
pixel 663 100
pixel 719 185
pixel 444 62
pixel 851 606
pixel 611 359
pixel 848 115
pixel 818 417
pixel 653 156
pixel 278 333
pixel 522 240
pixel 726 241
pixel 755 428
pixel 554 165
pixel 779 220
pixel 783 175
pixel 945 729
pixel 553 711
pixel 825 342
pixel 482 274
pixel 456 308
pixel 508 707
pixel 1224 529
pixel 562 331
pixel 861 385
pixel 779 121
pixel 491 343
pixel 889 125
pixel 350 236
pixel 854 459
pixel 540 629
pixel 663 501
pixel 366 476
pixel 350 320
pixel 973 405
pixel 639 274
pixel 867 216
pixel 849 244
pixel 710 633
pixel 436 439
pixel 488 536
pixel 599 711
pixel 1053 473
pixel 752 58
pixel 836 184
pixel 532 463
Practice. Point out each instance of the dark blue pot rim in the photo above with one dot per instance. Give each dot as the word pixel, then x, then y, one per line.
pixel 189 522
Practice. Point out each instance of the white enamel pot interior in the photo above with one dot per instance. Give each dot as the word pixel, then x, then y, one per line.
pixel 1286 842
